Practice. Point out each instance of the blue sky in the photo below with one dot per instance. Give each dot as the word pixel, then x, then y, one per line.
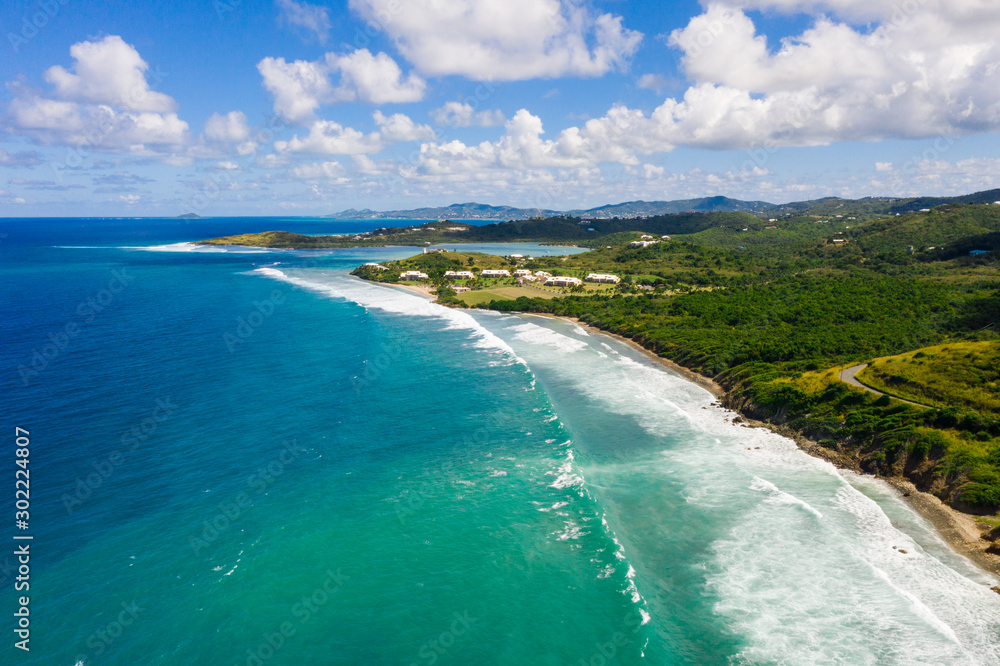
pixel 232 107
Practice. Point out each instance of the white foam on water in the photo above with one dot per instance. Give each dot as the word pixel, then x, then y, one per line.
pixel 395 301
pixel 192 247
pixel 804 569
pixel 778 496
pixel 566 475
pixel 540 335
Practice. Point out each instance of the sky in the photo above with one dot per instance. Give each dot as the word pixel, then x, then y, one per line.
pixel 261 107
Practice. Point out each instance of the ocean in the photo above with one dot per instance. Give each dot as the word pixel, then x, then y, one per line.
pixel 248 457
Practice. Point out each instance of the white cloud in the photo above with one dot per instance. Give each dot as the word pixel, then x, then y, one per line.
pixel 375 79
pixel 503 39
pixel 655 82
pixel 108 72
pixel 923 176
pixel 228 165
pixel 105 104
pixel 924 68
pixel 299 88
pixel 461 114
pixel 399 128
pixel 314 20
pixel 325 170
pixel 98 127
pixel 231 127
pixel 330 138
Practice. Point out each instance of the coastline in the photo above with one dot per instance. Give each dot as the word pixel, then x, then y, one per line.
pixel 959 530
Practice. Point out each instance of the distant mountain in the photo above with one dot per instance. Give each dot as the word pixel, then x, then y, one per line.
pixel 831 206
pixel 650 208
pixel 463 211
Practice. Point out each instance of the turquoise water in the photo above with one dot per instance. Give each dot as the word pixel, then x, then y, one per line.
pixel 249 457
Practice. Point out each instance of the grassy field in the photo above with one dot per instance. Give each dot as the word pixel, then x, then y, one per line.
pixel 500 293
pixel 965 374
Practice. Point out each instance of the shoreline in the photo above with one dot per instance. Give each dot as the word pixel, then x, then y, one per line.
pixel 958 530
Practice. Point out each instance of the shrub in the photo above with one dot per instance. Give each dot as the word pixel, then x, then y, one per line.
pixel 981 496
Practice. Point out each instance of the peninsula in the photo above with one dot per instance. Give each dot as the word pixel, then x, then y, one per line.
pixel 777 311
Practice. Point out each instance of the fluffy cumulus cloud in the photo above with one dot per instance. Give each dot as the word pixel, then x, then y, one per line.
pixel 912 74
pixel 326 137
pixel 299 88
pixel 522 148
pixel 108 72
pixel 503 39
pixel 462 114
pixel 231 127
pixel 311 19
pixel 916 68
pixel 105 102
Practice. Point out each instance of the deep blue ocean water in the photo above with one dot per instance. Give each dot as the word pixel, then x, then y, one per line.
pixel 249 457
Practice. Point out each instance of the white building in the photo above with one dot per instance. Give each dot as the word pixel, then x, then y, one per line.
pixel 413 275
pixel 501 273
pixel 460 275
pixel 643 243
pixel 378 266
pixel 522 272
pixel 606 278
pixel 562 281
pixel 543 275
pixel 527 279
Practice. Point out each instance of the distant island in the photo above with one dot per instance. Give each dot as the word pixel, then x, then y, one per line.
pixel 188 216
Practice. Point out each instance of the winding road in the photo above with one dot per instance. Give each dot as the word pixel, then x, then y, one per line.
pixel 849 375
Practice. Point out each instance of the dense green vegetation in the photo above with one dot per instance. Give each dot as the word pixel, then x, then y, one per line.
pixel 567 230
pixel 775 319
pixel 960 374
